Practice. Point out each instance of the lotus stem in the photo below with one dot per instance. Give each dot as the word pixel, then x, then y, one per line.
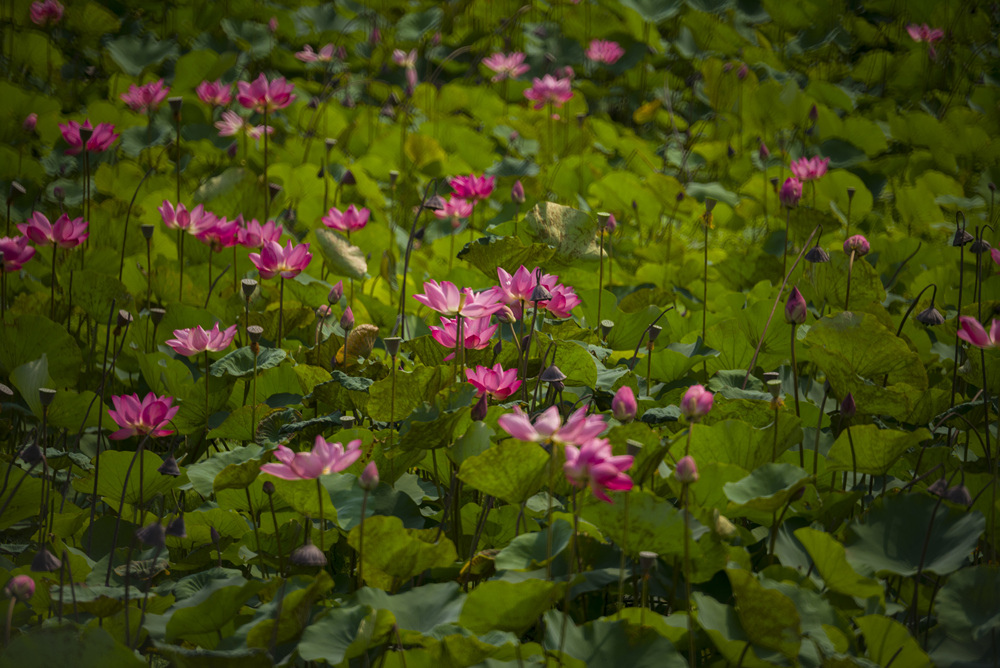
pixel 687 573
pixel 572 564
pixel 322 522
pixel 621 563
pixel 281 308
pixel 277 536
pixel 361 541
pixel 52 287
pixel 600 279
pixel 267 195
pixel 850 270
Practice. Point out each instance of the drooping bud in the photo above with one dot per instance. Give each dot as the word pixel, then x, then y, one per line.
pixel 930 317
pixel 20 587
pixel 961 238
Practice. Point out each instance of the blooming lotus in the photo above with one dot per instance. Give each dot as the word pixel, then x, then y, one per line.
pixel 232 124
pixel 147 97
pixel 194 222
pixel 506 65
pixel 65 232
pixel 262 95
pixel 253 234
pixel 447 299
pixel 518 288
pixel 139 418
pixel 924 33
pixel 495 382
pixel 288 262
pixel 323 459
pixel 222 234
pixel 476 333
pixel 349 220
pixel 604 51
pixel 15 252
pixel 46 12
pixel 473 187
pixel 214 93
pixel 594 464
pixel 102 139
pixel 549 90
pixel 195 340
pixel 455 210
pixel 809 169
pixel 307 55
pixel 973 332
pixel 548 426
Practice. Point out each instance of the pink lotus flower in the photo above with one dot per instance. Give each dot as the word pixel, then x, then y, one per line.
pixel 222 234
pixel 857 244
pixel 349 220
pixel 254 235
pixel 624 406
pixel 139 418
pixel 30 121
pixel 455 210
pixel 15 252
pixel 147 97
pixel 447 300
pixel 809 169
pixel 790 193
pixel 972 332
pixel 476 333
pixel 307 55
pixel 47 12
pixel 548 427
pixel 506 65
pixel 325 458
pixel 232 124
pixel 697 402
pixel 473 187
pixel 924 33
pixel 495 382
pixel 65 232
pixel 605 51
pixel 214 93
pixel 995 254
pixel 404 59
pixel 563 301
pixel 102 139
pixel 288 262
pixel 594 464
pixel 195 340
pixel 262 95
pixel 549 90
pixel 513 290
pixel 194 222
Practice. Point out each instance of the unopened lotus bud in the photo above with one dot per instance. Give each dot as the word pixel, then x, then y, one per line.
pixel 686 471
pixel 232 150
pixel 847 407
pixel 20 588
pixel 30 121
pixel 480 408
pixel 369 477
pixel 517 193
pixel 723 527
pixel 813 114
pixel 347 319
pixel 696 403
pixel 506 315
pixel 214 535
pixel 323 311
pixel 497 348
pixel 347 179
pixel 169 467
pixel 857 244
pixel 249 287
pixel 791 193
pixel 336 292
pixel 268 487
pixel 763 152
pixel 992 186
pixel 796 309
pixel 742 73
pixel 46 396
pixel 623 405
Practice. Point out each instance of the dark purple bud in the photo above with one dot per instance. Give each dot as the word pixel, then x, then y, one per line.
pixel 347 319
pixel 336 292
pixel 479 410
pixel 796 309
pixel 848 407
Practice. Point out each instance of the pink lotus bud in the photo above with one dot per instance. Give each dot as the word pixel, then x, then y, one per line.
pixel 336 293
pixel 517 193
pixel 847 407
pixel 687 470
pixel 623 406
pixel 795 308
pixel 347 319
pixel 272 25
pixel 697 402
pixel 858 244
pixel 30 121
pixel 20 587
pixel 369 477
pixel 791 193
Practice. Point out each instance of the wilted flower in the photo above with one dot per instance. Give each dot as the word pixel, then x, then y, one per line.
pixel 147 97
pixel 697 402
pixel 624 406
pixel 973 332
pixel 323 459
pixel 349 220
pixel 214 93
pixel 65 232
pixel 273 260
pixel 549 90
pixel 262 95
pixel 506 66
pixel 101 140
pixel 795 308
pixel 790 193
pixel 195 340
pixel 46 12
pixel 857 244
pixel 807 169
pixel 686 470
pixel 138 418
pixel 15 252
pixel 594 464
pixel 604 51
pixel 496 382
pixel 930 316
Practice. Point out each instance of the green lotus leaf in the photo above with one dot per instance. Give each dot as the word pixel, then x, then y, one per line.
pixel 831 563
pixel 419 609
pixel 509 253
pixel 767 489
pixel 226 470
pixel 344 633
pixel 295 607
pixel 969 603
pixel 767 616
pixel 134 53
pixel 240 362
pixel 115 466
pixel 734 442
pixel 610 643
pixel 399 553
pixel 431 428
pixel 886 638
pixel 875 450
pixel 411 390
pixel 509 606
pixel 512 470
pixel 211 608
pixel 29 337
pixel 343 258
pixel 90 647
pixel 572 232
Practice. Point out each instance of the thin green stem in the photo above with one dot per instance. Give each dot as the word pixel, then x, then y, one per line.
pixel 322 522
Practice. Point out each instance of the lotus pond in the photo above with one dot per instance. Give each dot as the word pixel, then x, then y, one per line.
pixel 636 333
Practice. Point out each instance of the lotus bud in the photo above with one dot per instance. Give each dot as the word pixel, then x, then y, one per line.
pixel 624 406
pixel 813 114
pixel 232 150
pixel 796 308
pixel 347 178
pixel 30 121
pixel 762 152
pixel 268 487
pixel 336 292
pixel 858 244
pixel 697 402
pixel 347 319
pixel 369 477
pixel 480 408
pixel 517 193
pixel 791 193
pixel 742 73
pixel 20 588
pixel 686 471
pixel 847 407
